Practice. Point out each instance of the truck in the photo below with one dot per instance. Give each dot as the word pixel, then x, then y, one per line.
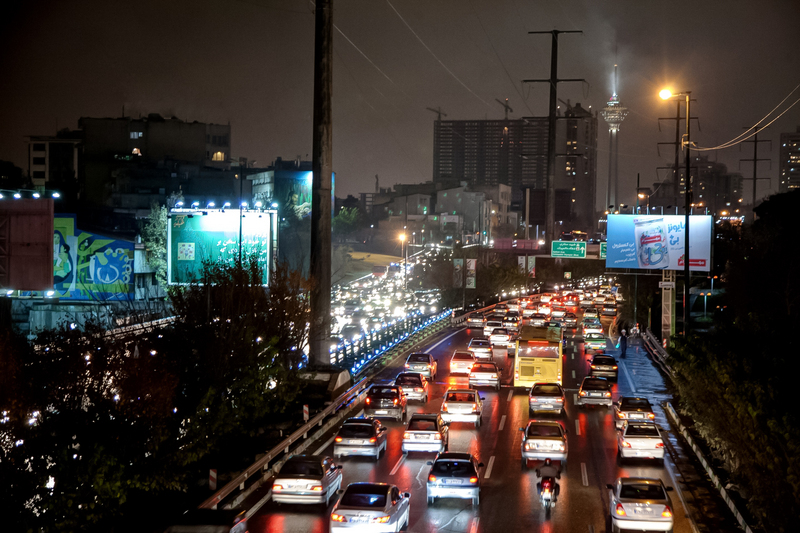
pixel 539 355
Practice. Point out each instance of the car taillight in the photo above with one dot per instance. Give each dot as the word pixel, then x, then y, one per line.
pixel 406 435
pixel 560 400
pixel 338 518
pixel 620 510
pixel 430 366
pixel 528 445
pixel 473 479
pixel 582 393
pixel 667 512
pixel 593 366
pixel 608 395
pixel 417 389
pixel 561 447
pixel 474 407
pixel 625 444
pixel 651 416
pixel 621 414
pixel 373 439
pixel 369 401
pixel 516 375
pixel 444 407
pixel 437 436
pixel 394 401
pixel 338 439
pixel 408 366
pixel 614 367
pixel 277 488
pixel 659 445
pixel 494 376
pixel 380 519
pixel 316 488
pixel 431 479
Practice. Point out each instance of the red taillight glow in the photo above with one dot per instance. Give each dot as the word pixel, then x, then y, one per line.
pixel 659 445
pixel 608 395
pixel 582 393
pixel 338 439
pixel 667 512
pixel 380 519
pixel 432 478
pixel 621 414
pixel 316 488
pixel 560 400
pixel 620 510
pixel 614 367
pixel 473 479
pixel 395 401
pixel 373 439
pixel 408 366
pixel 437 436
pixel 475 407
pixel 338 518
pixel 369 401
pixel 444 407
pixel 277 488
pixel 651 416
pixel 625 444
pixel 406 435
pixel 417 389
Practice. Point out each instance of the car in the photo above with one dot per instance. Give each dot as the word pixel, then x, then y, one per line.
pixel 426 433
pixel 557 314
pixel 492 323
pixel 604 366
pixel 360 436
pixel 528 310
pixel 591 313
pixel 639 504
pixel 307 479
pixel 454 475
pixel 422 363
pixel 500 309
pixel 609 309
pixel 511 322
pixel 481 348
pixel 209 520
pixel 591 325
pixel 544 309
pixel 350 333
pixel 462 405
pixel 594 343
pixel 476 320
pixel 386 401
pixel 640 440
pixel 630 408
pixel 485 374
pixel 594 391
pixel 461 362
pixel 500 337
pixel 538 320
pixel 546 397
pixel 543 439
pixel 586 301
pixel 371 507
pixel 414 385
pixel 570 320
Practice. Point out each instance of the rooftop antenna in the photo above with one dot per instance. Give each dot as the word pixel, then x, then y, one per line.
pixel 505 106
pixel 438 111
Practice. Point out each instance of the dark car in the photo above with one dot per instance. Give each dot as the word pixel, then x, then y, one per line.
pixel 414 385
pixel 604 366
pixel 386 401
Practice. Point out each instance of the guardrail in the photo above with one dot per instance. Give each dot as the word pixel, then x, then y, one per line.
pixel 658 352
pixel 339 409
pixel 711 474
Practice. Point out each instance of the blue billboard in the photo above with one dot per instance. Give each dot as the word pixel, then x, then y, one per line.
pixel 656 242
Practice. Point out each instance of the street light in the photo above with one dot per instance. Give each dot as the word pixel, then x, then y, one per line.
pixel 666 94
pixel 403 250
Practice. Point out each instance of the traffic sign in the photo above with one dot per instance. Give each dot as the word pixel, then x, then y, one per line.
pixel 574 249
pixel 666 284
pixel 603 249
pixel 567 275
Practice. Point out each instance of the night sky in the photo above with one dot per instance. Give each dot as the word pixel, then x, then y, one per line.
pixel 250 63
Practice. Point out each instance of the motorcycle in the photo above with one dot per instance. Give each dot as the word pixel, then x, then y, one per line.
pixel 547 492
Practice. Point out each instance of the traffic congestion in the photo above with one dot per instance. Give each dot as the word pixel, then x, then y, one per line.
pixel 516 425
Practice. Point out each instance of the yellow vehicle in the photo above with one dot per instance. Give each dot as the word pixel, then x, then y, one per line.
pixel 540 356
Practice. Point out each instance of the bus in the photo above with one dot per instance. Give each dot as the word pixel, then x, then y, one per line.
pixel 379 270
pixel 574 235
pixel 540 355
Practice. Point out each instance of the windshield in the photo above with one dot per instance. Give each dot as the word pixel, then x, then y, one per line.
pixel 409 380
pixel 418 358
pixel 422 424
pixel 596 384
pixel 484 367
pixel 383 391
pixel 460 397
pixel 546 389
pixel 500 331
pixel 364 497
pixel 480 344
pixel 642 491
pixel 635 403
pixel 301 468
pixel 463 356
pixel 603 360
pixel 453 469
pixel 543 431
pixel 356 431
pixel 641 431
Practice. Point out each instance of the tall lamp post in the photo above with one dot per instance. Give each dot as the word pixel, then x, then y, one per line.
pixel 666 94
pixel 403 250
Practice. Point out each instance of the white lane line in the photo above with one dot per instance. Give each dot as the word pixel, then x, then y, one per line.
pixel 628 376
pixel 577 427
pixel 510 395
pixel 575 399
pixel 474 527
pixel 591 528
pixel 254 509
pixel 573 374
pixel 488 473
pixel 573 355
pixel 397 466
pixel 441 341
pixel 328 443
pixel 500 428
pixel 584 475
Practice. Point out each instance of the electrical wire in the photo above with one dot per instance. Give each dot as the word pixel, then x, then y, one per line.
pixel 435 57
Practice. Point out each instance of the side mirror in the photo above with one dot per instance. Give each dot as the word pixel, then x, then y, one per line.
pixel 338 467
pixel 340 492
pixel 609 486
pixel 499 369
pixel 382 429
pixel 482 398
pixel 480 465
pixel 429 463
pixel 669 489
pixel 522 429
pixel 406 495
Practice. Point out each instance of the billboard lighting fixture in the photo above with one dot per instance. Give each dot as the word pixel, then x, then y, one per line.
pixel 36 195
pixel 226 204
pixel 50 294
pixel 195 204
pixel 178 204
pixel 17 195
pixel 275 205
pixel 210 204
pixel 244 204
pixel 9 292
pixel 259 204
pixel 56 195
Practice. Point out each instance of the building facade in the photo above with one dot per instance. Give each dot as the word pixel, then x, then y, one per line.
pixel 790 162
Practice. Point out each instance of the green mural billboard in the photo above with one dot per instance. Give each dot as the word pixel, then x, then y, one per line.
pixel 197 236
pixel 88 266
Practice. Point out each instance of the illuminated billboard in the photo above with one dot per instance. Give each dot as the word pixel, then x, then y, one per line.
pixel 195 236
pixel 657 242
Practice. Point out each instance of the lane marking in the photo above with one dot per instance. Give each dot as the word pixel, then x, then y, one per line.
pixel 430 348
pixel 573 374
pixel 474 527
pixel 577 427
pixel 591 528
pixel 573 355
pixel 500 428
pixel 254 509
pixel 575 399
pixel 510 395
pixel 328 443
pixel 628 376
pixel 584 475
pixel 397 466
pixel 488 473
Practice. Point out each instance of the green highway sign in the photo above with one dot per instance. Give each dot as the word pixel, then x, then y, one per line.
pixel 574 249
pixel 603 248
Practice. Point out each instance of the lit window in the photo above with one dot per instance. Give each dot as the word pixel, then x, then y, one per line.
pixel 218 156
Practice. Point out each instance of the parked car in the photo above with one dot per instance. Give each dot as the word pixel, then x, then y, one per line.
pixel 386 401
pixel 543 439
pixel 414 385
pixel 425 433
pixel 594 391
pixel 546 397
pixel 422 363
pixel 604 366
pixel 462 405
pixel 461 362
pixel 630 408
pixel 640 440
pixel 360 436
pixel 639 504
pixel 307 479
pixel 454 475
pixel 371 507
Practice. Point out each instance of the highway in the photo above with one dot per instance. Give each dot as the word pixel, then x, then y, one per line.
pixel 508 498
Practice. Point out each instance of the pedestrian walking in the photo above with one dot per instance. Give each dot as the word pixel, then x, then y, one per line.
pixel 623 344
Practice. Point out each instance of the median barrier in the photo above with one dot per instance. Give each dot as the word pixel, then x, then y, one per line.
pixel 658 353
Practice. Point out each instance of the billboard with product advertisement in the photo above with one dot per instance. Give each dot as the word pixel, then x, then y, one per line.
pixel 656 242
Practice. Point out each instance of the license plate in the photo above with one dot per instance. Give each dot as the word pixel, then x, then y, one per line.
pixel 355 441
pixel 384 412
pixel 452 481
pixel 546 405
pixel 359 519
pixel 638 510
pixel 635 416
pixel 595 394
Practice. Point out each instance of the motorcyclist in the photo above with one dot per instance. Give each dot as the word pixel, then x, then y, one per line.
pixel 548 469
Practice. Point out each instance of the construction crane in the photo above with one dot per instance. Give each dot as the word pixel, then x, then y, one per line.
pixel 505 106
pixel 438 112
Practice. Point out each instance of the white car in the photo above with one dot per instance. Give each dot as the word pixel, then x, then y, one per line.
pixel 308 479
pixel 500 337
pixel 373 507
pixel 461 362
pixel 639 504
pixel 486 374
pixel 462 405
pixel 481 348
pixel 591 313
pixel 640 440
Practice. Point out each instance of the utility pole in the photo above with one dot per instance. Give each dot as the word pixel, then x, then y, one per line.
pixel 678 145
pixel 322 167
pixel 550 185
pixel 755 161
pixel 505 106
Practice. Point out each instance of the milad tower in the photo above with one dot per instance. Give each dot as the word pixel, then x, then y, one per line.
pixel 614 113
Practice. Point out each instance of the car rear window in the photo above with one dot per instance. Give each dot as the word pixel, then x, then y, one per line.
pixel 544 430
pixel 383 391
pixel 417 424
pixel 641 430
pixel 604 360
pixel 546 389
pixel 500 331
pixel 460 397
pixel 483 367
pixel 418 358
pixel 635 403
pixel 453 468
pixel 301 468
pixel 596 384
pixel 642 491
pixel 480 344
pixel 462 356
pixel 364 497
pixel 408 380
pixel 493 323
pixel 356 431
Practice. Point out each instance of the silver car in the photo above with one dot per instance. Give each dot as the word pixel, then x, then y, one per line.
pixel 308 479
pixel 426 433
pixel 462 405
pixel 639 504
pixel 491 324
pixel 371 507
pixel 454 475
pixel 486 374
pixel 546 397
pixel 544 439
pixel 481 348
pixel 414 385
pixel 640 440
pixel 594 391
pixel 461 362
pixel 360 436
pixel 422 363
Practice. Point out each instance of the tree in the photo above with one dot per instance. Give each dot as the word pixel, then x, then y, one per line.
pixel 346 222
pixel 154 236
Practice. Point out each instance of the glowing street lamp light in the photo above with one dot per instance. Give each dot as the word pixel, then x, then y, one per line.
pixel 195 204
pixel 211 204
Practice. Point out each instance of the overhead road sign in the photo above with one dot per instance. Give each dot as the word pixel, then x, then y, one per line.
pixel 571 249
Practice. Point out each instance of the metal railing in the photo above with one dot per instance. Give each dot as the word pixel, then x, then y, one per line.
pixel 658 352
